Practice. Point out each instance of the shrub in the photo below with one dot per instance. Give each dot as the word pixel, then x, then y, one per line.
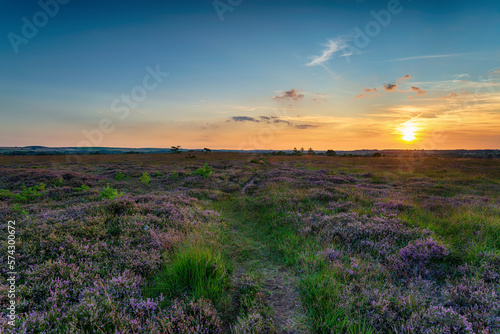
pixel 120 176
pixel 26 195
pixel 58 182
pixel 145 178
pixel 157 174
pixel 194 317
pixel 82 188
pixel 420 258
pixel 331 153
pixel 109 193
pixel 204 171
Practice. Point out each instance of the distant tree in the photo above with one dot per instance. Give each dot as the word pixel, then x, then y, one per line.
pixel 207 150
pixel 176 149
pixel 331 153
pixel 376 154
pixel 310 151
pixel 297 152
pixel 302 150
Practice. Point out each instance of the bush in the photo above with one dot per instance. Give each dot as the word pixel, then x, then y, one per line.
pixel 120 176
pixel 174 176
pixel 204 171
pixel 420 258
pixel 109 193
pixel 58 182
pixel 331 153
pixel 82 188
pixel 26 194
pixel 194 317
pixel 145 178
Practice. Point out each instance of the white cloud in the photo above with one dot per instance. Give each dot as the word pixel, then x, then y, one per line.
pixel 424 57
pixel 332 47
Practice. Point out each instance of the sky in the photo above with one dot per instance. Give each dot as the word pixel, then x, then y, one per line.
pixel 251 74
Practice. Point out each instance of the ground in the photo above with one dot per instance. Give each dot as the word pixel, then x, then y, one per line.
pixel 223 242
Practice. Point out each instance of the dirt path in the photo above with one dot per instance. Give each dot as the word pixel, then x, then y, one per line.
pixel 281 285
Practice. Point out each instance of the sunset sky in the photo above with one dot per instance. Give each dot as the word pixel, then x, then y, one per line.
pixel 251 74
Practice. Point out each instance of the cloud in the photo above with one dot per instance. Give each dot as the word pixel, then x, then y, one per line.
pixel 461 93
pixel 244 119
pixel 332 47
pixel 390 87
pixel 367 91
pixel 290 95
pixel 305 126
pixel 419 91
pixel 281 121
pixel 406 77
pixel 424 57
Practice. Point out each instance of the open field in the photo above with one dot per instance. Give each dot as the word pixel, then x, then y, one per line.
pixel 224 242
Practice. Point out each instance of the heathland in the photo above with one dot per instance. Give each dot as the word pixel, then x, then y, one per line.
pixel 238 243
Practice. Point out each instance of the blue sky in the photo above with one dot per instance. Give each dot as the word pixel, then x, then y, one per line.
pixel 271 74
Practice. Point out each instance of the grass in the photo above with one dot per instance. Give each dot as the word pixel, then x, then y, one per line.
pixel 194 272
pixel 335 236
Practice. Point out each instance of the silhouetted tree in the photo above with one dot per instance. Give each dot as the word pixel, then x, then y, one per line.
pixel 331 153
pixel 310 151
pixel 207 150
pixel 176 149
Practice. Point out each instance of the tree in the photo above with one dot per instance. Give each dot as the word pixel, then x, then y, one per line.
pixel 296 152
pixel 176 149
pixel 310 151
pixel 331 153
pixel 207 150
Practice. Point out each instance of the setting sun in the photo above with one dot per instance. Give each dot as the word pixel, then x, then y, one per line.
pixel 408 132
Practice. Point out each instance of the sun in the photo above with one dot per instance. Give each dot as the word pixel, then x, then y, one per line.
pixel 408 131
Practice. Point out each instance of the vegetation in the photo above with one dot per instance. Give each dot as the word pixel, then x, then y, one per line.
pixel 145 178
pixel 304 244
pixel 119 176
pixel 109 193
pixel 176 149
pixel 204 171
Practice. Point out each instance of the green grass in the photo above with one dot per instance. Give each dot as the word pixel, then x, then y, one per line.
pixel 468 231
pixel 193 272
pixel 263 220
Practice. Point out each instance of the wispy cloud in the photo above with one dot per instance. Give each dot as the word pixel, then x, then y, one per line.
pixel 419 91
pixel 367 91
pixel 306 126
pixel 424 57
pixel 406 77
pixel 331 47
pixel 244 119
